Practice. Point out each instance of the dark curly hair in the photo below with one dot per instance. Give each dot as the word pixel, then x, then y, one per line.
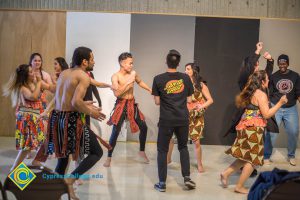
pixel 62 63
pixel 197 78
pixel 254 82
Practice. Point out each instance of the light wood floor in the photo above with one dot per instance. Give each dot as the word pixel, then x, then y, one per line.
pixel 130 179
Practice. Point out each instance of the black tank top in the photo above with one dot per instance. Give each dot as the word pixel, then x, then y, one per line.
pixel 252 107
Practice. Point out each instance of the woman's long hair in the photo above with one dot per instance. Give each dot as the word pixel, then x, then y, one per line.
pixel 16 81
pixel 30 61
pixel 254 82
pixel 62 63
pixel 197 78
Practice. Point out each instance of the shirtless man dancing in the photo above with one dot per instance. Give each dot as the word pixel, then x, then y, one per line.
pixel 67 131
pixel 125 107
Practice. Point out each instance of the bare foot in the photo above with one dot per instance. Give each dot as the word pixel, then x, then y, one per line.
pixel 224 180
pixel 107 162
pixel 241 190
pixel 144 157
pixel 79 182
pixel 70 182
pixel 200 168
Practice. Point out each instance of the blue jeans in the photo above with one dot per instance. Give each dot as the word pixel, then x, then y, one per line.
pixel 289 117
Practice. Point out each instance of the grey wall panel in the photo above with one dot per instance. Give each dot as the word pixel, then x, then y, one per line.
pixel 151 38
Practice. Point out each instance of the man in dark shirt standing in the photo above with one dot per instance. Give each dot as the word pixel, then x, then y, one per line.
pixel 284 81
pixel 172 90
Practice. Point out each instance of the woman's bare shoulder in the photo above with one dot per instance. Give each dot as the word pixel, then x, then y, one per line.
pixel 259 94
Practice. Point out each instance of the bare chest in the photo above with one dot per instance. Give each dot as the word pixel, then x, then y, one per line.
pixel 122 80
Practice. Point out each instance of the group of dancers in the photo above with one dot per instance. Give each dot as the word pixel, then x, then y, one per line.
pixel 61 128
pixel 265 101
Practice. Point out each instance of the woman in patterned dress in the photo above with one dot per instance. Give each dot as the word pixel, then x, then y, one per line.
pixel 201 99
pixel 25 91
pixel 248 148
pixel 36 62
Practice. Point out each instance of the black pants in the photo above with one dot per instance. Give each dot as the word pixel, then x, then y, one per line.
pixel 164 136
pixel 117 128
pixel 88 120
pixel 96 153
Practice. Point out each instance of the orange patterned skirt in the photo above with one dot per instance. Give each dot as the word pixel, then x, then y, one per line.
pixel 29 131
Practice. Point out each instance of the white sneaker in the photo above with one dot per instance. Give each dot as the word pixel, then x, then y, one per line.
pixel 292 161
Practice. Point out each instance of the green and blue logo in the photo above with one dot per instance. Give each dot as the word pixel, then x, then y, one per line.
pixel 22 176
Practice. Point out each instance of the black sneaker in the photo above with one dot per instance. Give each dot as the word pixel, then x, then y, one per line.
pixel 189 183
pixel 160 187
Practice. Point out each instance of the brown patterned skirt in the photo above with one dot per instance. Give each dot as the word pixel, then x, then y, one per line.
pixel 249 145
pixel 196 124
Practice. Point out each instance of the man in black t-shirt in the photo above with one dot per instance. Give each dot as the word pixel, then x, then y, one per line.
pixel 172 90
pixel 284 81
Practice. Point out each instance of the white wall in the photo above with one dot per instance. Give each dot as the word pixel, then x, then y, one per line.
pixel 281 37
pixel 108 35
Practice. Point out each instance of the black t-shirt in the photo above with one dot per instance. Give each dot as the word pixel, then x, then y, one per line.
pixel 173 90
pixel 288 84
